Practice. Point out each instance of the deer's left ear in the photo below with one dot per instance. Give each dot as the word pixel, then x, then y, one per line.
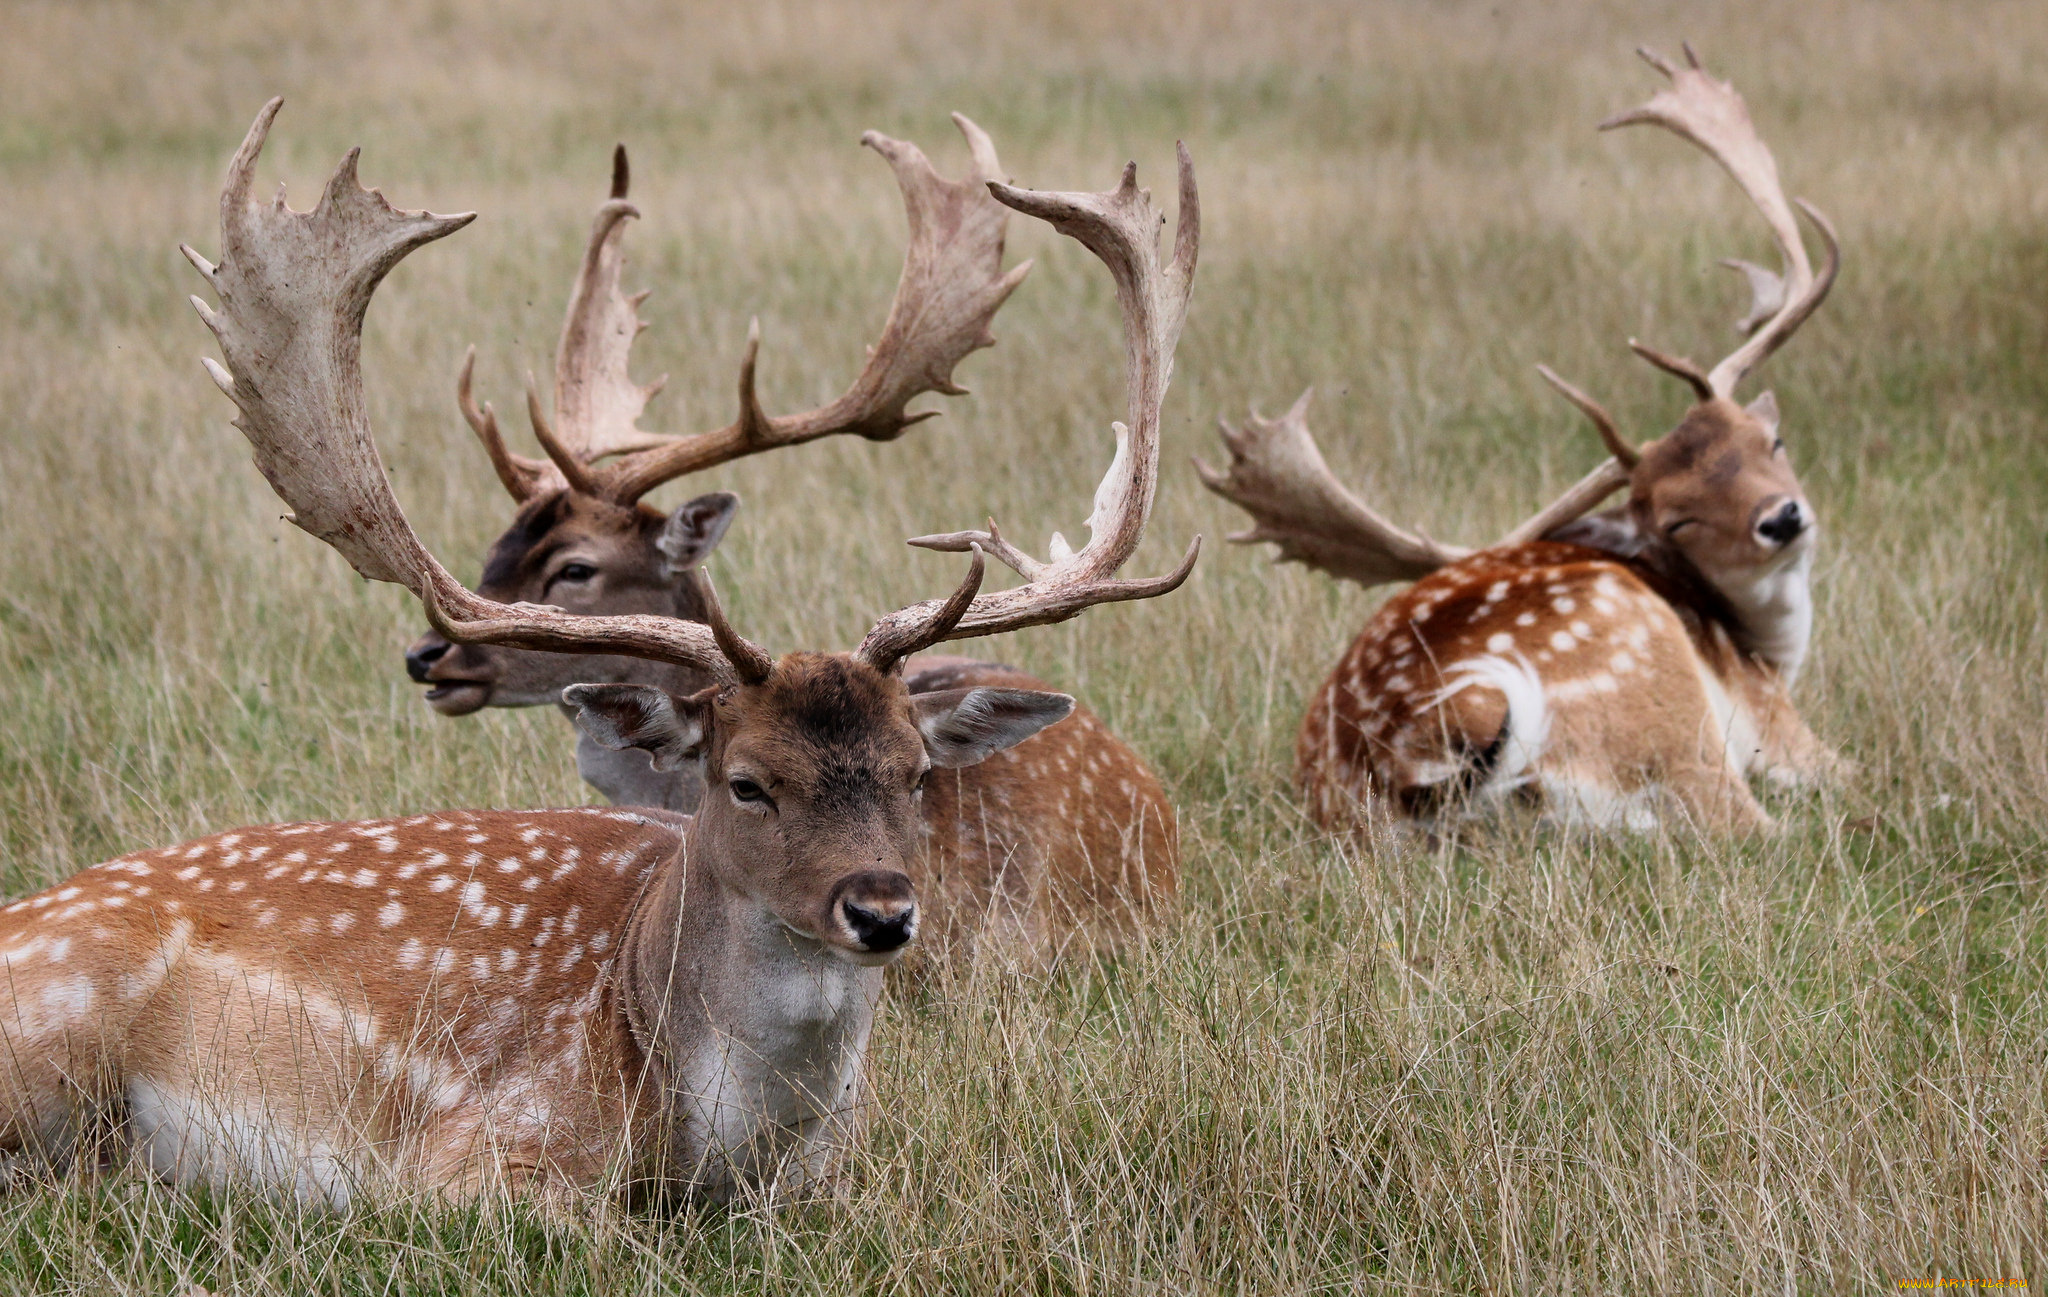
pixel 1765 411
pixel 694 530
pixel 964 726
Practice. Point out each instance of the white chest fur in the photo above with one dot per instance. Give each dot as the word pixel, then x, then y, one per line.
pixel 1776 609
pixel 770 1094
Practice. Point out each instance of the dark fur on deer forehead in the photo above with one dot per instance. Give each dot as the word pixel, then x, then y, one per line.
pixel 559 517
pixel 829 699
pixel 828 713
pixel 1713 441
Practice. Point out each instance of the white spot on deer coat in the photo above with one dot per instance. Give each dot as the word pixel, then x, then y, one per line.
pixel 72 996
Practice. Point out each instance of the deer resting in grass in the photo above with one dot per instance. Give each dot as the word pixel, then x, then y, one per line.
pixel 1066 838
pixel 1611 668
pixel 553 1001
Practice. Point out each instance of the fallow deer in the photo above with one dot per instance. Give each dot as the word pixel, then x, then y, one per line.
pixel 1066 839
pixel 1604 667
pixel 540 999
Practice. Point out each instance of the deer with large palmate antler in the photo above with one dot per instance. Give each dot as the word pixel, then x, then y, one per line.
pixel 1067 838
pixel 540 998
pixel 1609 668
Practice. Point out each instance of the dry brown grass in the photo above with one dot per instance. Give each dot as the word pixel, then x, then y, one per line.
pixel 1531 1063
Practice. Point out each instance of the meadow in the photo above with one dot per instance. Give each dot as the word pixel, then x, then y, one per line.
pixel 1507 1061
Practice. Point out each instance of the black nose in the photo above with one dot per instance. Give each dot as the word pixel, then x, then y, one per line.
pixel 1783 526
pixel 880 932
pixel 421 657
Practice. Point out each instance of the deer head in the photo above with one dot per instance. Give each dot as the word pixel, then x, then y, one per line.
pixel 583 541
pixel 1714 502
pixel 814 775
pixel 819 755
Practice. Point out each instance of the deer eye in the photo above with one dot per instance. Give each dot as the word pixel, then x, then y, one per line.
pixel 1777 445
pixel 924 777
pixel 1673 528
pixel 746 790
pixel 578 572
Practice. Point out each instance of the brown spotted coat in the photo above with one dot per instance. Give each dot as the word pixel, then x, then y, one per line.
pixel 1557 674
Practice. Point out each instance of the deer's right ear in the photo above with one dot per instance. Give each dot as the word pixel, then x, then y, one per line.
pixel 669 729
pixel 694 530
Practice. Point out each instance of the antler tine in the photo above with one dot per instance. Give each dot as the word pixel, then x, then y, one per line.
pixel 294 287
pixel 523 478
pixel 952 284
pixel 884 649
pixel 751 662
pixel 1710 113
pixel 1786 322
pixel 1603 422
pixel 1121 228
pixel 566 457
pixel 597 405
pixel 1678 367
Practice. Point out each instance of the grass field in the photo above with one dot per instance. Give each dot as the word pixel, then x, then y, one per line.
pixel 1528 1063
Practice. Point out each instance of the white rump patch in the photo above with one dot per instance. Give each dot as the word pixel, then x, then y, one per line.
pixel 1527 728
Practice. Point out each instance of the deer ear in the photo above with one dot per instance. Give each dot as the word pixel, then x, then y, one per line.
pixel 965 726
pixel 694 530
pixel 669 729
pixel 1765 411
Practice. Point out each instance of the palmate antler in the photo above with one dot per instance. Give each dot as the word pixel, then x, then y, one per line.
pixel 1712 115
pixel 294 287
pixel 1278 475
pixel 1122 228
pixel 952 284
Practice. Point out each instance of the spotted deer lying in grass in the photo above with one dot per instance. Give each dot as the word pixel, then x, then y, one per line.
pixel 553 1001
pixel 1066 839
pixel 1609 668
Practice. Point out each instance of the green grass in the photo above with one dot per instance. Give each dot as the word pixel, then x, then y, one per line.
pixel 1517 1062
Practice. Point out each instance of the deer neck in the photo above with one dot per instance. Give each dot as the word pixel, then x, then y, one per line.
pixel 1768 617
pixel 1773 613
pixel 752 1036
pixel 628 778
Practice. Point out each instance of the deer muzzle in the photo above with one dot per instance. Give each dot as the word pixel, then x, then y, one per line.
pixel 1784 524
pixel 451 690
pixel 873 915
